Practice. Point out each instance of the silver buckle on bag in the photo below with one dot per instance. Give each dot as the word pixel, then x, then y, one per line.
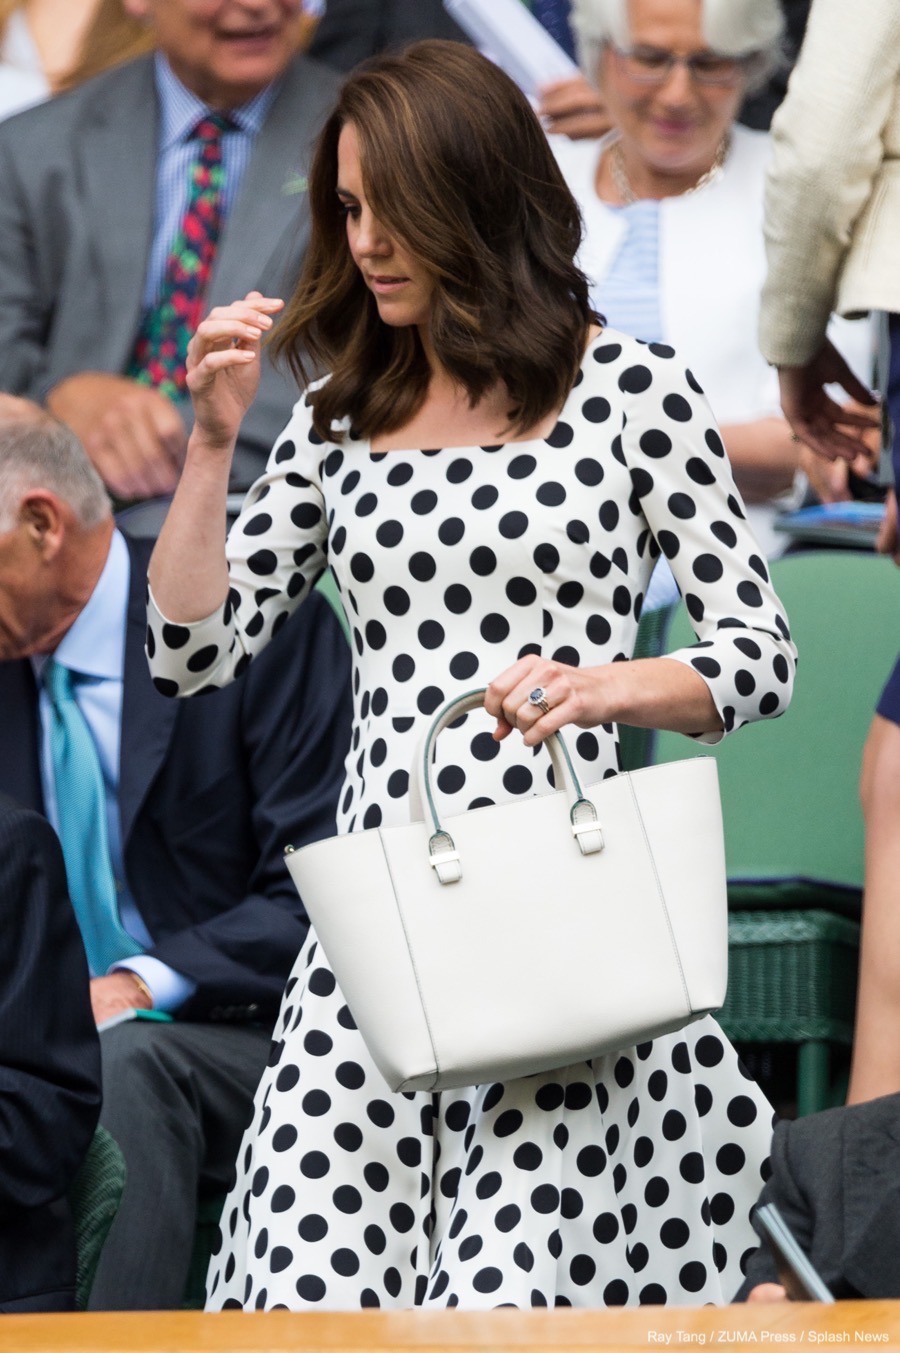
pixel 444 857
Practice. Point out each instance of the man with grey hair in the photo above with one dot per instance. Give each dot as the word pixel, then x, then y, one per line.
pixel 173 818
pixel 133 204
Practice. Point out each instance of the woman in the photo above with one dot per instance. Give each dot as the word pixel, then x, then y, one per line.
pixel 440 290
pixel 673 204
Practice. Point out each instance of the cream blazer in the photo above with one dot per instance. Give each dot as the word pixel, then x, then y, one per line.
pixel 833 191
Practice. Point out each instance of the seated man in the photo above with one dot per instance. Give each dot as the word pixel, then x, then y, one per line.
pixel 173 818
pixel 132 205
pixel 49 1066
pixel 836 1181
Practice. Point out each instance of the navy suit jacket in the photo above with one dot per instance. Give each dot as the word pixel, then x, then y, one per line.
pixel 210 791
pixel 49 1066
pixel 350 31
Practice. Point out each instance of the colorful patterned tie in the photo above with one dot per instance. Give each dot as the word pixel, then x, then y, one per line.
pixel 81 807
pixel 160 352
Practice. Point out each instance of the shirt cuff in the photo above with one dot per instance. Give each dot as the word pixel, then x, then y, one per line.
pixel 169 989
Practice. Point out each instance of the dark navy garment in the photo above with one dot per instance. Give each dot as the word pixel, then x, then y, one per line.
pixel 889 704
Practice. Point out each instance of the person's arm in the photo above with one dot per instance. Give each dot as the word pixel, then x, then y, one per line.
pixel 292 739
pixel 783 1189
pixel 742 666
pixel 188 572
pixel 827 150
pixel 209 617
pixel 49 1050
pixel 764 457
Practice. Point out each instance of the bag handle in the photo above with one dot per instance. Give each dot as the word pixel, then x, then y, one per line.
pixel 441 848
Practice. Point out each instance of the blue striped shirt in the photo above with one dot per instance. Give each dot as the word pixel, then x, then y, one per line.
pixel 628 296
pixel 179 113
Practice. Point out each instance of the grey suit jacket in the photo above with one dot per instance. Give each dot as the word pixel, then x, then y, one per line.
pixel 77 185
pixel 836 1180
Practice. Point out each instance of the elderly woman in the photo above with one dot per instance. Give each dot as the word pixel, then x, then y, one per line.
pixel 672 201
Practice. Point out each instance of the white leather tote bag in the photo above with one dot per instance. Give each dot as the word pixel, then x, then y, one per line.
pixel 530 935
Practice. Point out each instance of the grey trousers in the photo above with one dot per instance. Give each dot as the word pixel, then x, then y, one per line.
pixel 177 1098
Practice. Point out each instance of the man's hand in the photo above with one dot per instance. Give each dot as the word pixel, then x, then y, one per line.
pixel 767 1292
pixel 831 429
pixel 573 108
pixel 133 434
pixel 118 991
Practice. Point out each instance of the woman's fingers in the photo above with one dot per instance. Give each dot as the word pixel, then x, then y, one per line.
pixel 220 359
pixel 509 700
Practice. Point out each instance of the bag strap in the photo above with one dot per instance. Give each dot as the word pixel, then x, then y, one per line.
pixel 442 850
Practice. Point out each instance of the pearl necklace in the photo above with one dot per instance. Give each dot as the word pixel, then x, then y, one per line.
pixel 623 184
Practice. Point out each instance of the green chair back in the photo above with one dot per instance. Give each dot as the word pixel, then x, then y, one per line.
pixel 793 824
pixel 94 1198
pixel 329 589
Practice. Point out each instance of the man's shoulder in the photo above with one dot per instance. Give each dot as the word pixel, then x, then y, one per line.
pixel 110 94
pixel 309 79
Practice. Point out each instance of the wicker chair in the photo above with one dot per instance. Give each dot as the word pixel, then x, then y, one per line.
pixel 793 825
pixel 94 1198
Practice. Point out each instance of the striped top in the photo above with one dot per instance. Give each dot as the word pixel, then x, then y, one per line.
pixel 628 296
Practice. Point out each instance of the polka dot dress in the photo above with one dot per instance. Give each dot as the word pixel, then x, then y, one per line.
pixel 621 1181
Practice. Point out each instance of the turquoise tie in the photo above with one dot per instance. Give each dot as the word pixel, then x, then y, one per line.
pixel 81 807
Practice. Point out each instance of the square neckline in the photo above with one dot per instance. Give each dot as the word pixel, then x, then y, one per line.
pixel 493 447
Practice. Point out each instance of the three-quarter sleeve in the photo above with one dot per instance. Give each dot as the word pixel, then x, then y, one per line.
pixel 682 482
pixel 276 550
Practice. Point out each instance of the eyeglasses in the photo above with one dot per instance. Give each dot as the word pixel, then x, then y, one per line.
pixel 654 66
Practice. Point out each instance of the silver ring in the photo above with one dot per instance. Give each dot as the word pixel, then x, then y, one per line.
pixel 539 698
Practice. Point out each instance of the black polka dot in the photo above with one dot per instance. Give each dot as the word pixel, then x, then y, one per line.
pixel 655 443
pixel 513 524
pixel 458 471
pixel 451 531
pixel 730 1159
pixel 422 566
pixel 692 1276
pixel 310 1287
pixel 561 435
pixel 483 561
pixel 485 497
pixel 634 380
pixel 656 1191
pixel 596 410
pixel 494 628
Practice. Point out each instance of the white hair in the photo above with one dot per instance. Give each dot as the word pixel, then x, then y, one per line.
pixel 731 27
pixel 41 453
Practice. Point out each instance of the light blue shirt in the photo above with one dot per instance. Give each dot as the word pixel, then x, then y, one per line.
pixel 628 296
pixel 179 113
pixel 95 648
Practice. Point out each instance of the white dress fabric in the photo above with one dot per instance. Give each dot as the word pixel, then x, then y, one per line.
pixel 625 1180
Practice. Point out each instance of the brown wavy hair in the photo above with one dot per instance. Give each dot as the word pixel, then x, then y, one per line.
pixel 457 167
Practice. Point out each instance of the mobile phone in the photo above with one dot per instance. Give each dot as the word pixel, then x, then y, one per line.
pixel 795 1273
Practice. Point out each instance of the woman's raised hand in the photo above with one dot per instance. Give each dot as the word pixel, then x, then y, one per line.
pixel 223 366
